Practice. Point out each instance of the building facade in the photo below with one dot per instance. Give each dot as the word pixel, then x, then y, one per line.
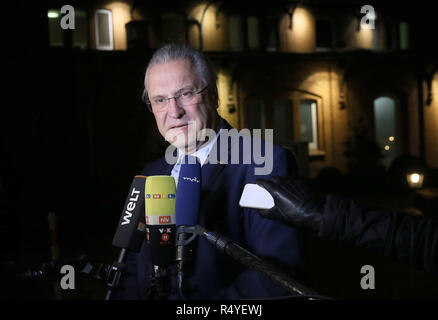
pixel 312 71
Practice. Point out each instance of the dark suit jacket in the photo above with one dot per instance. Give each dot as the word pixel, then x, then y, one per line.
pixel 217 276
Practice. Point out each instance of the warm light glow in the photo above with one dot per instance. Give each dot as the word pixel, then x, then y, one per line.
pixel 430 123
pixel 214 26
pixel 52 14
pixel 300 18
pixel 386 147
pixel 222 91
pixel 364 38
pixel 415 179
pixel 391 138
pixel 225 91
pixel 121 16
pixel 301 37
pixel 194 13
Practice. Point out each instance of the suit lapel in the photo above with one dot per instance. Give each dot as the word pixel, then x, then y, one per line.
pixel 166 169
pixel 209 171
pixel 209 174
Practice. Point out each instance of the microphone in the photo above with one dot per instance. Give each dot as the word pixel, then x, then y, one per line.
pixel 130 231
pixel 160 229
pixel 187 210
pixel 131 228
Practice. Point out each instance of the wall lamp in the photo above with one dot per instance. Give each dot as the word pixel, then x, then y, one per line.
pixel 415 179
pixel 290 12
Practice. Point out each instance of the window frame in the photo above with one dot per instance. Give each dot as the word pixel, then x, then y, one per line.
pixel 320 143
pixel 111 29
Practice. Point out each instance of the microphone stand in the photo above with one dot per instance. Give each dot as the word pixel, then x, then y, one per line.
pixel 250 260
pixel 108 274
pixel 114 273
pixel 50 271
pixel 185 235
pixel 161 286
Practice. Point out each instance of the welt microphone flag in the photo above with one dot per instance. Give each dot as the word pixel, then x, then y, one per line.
pixel 160 194
pixel 131 228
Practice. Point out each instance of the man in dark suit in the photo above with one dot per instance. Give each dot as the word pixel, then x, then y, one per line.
pixel 181 92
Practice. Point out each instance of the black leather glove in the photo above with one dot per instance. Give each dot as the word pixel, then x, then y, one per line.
pixel 295 202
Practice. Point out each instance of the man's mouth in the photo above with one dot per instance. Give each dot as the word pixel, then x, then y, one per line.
pixel 179 126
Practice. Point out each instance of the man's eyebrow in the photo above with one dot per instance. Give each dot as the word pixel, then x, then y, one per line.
pixel 157 96
pixel 188 87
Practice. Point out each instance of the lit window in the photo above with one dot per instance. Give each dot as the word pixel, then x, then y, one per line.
pixel 386 124
pixel 404 36
pixel 309 123
pixel 53 14
pixel 236 34
pixel 104 29
pixel 80 33
pixel 55 31
pixel 271 34
pixel 253 33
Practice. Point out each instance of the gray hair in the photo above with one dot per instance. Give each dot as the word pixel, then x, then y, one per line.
pixel 175 52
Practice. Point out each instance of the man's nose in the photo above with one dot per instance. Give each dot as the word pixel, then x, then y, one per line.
pixel 173 109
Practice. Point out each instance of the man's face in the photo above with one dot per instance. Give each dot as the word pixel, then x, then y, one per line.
pixel 170 79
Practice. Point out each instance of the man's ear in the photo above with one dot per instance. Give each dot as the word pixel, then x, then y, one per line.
pixel 215 96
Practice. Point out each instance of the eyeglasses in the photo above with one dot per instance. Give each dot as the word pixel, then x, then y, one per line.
pixel 185 98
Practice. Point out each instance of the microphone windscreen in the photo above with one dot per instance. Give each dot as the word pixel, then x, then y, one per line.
pixel 188 193
pixel 160 219
pixel 131 228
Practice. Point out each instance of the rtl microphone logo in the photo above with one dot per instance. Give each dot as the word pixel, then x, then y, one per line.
pixel 161 196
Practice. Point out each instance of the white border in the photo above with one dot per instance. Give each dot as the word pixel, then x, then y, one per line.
pixel 314 143
pixel 96 28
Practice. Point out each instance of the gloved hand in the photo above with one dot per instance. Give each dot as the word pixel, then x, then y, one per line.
pixel 295 202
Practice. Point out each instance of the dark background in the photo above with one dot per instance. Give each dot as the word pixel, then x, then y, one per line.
pixel 74 132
